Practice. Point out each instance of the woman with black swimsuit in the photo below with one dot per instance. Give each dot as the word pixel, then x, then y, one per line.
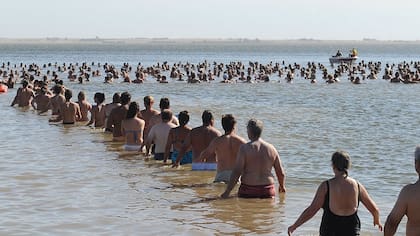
pixel 339 197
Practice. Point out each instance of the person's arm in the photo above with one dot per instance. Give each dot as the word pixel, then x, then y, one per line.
pixel 309 212
pixel 33 104
pixel 16 99
pixel 237 171
pixel 397 213
pixel 92 116
pixel 184 148
pixel 370 205
pixel 281 176
pixel 169 142
pixel 149 140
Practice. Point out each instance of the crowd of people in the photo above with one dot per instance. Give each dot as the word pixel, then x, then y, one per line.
pixel 165 136
pixel 233 72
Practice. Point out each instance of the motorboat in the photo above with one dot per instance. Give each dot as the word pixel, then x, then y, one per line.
pixel 339 58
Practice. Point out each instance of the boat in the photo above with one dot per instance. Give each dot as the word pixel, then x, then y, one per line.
pixel 339 58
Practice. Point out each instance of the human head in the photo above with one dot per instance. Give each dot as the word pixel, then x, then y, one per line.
pixel 116 98
pixel 166 115
pixel 207 117
pixel 81 96
pixel 133 109
pixel 99 97
pixel 25 83
pixel 68 94
pixel 228 123
pixel 183 118
pixel 164 104
pixel 254 128
pixel 341 161
pixel 148 101
pixel 125 98
pixel 57 89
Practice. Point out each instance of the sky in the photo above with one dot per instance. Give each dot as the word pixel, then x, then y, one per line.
pixel 215 19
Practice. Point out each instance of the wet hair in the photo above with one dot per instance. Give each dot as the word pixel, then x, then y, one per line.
pixel 100 97
pixel 164 103
pixel 183 118
pixel 166 115
pixel 228 122
pixel 25 83
pixel 81 95
pixel 255 127
pixel 417 153
pixel 133 109
pixel 207 117
pixel 341 161
pixel 148 100
pixel 116 98
pixel 57 89
pixel 125 98
pixel 68 94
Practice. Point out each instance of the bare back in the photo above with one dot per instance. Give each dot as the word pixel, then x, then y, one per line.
pixel 200 138
pixel 70 112
pixel 411 195
pixel 226 148
pixel 56 102
pixel 344 196
pixel 259 158
pixel 25 97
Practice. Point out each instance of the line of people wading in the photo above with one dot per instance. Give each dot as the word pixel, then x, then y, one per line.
pixel 166 136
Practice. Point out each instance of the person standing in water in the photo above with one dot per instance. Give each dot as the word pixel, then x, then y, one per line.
pixel 254 163
pixel 407 204
pixel 132 128
pixel 226 148
pixel 339 197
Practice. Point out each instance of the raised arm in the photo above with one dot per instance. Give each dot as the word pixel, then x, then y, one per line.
pixel 370 205
pixel 309 212
pixel 397 213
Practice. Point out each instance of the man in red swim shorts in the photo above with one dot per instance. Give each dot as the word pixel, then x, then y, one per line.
pixel 254 163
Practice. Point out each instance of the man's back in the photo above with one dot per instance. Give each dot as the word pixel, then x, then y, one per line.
pixel 115 118
pixel 26 95
pixel 411 196
pixel 70 112
pixel 226 149
pixel 259 157
pixel 200 138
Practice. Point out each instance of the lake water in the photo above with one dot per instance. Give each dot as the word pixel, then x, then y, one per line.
pixel 75 181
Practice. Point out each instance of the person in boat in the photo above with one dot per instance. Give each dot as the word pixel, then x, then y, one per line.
pixel 339 197
pixel 353 52
pixel 338 54
pixel 407 204
pixel 254 163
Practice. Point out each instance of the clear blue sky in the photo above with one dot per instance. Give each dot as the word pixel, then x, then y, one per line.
pixel 263 19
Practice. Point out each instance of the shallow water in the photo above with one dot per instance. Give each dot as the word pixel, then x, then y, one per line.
pixel 71 180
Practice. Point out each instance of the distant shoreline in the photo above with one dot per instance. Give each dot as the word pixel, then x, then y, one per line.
pixel 133 41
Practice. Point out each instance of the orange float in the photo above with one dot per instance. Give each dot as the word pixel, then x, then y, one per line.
pixel 3 88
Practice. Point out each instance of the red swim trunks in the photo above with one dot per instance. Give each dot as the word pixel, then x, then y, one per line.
pixel 256 191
